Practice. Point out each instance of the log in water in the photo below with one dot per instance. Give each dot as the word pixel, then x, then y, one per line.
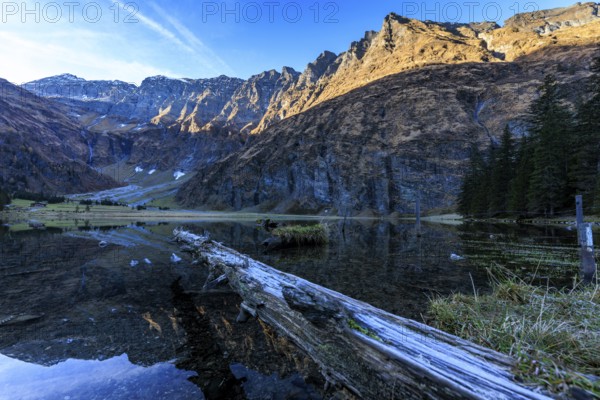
pixel 369 352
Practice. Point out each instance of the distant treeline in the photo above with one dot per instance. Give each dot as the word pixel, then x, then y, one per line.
pixel 541 173
pixel 50 199
pixel 103 202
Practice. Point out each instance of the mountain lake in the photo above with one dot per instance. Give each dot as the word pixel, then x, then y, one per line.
pixel 119 312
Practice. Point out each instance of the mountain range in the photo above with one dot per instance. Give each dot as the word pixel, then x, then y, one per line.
pixel 365 131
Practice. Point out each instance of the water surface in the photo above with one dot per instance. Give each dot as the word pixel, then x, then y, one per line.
pixel 106 312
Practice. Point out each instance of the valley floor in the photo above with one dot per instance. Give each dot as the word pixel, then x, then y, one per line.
pixel 21 216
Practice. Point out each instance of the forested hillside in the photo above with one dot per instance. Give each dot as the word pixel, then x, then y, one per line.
pixel 541 173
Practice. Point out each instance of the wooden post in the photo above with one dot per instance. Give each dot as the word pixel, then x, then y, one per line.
pixel 579 210
pixel 586 241
pixel 588 262
pixel 418 214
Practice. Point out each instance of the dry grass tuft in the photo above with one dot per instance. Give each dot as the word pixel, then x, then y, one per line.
pixel 554 334
pixel 303 235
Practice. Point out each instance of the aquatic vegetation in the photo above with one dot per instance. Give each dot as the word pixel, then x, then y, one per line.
pixel 554 334
pixel 303 234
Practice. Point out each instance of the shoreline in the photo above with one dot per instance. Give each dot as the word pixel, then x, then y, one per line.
pixel 70 215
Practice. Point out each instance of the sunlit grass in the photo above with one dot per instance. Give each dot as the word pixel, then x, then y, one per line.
pixel 554 334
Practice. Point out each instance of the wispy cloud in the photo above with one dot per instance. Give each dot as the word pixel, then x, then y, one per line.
pixel 190 37
pixel 37 60
pixel 185 39
pixel 158 44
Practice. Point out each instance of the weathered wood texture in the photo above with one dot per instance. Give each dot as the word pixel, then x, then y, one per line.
pixel 586 241
pixel 588 259
pixel 372 353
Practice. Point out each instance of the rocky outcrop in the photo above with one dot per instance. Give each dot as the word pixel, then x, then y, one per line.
pixel 250 102
pixel 183 105
pixel 403 104
pixel 537 32
pixel 164 123
pixel 41 149
pixel 191 104
pixel 376 148
pixel 298 91
pixel 544 22
pixel 404 44
pixel 68 86
pixel 401 44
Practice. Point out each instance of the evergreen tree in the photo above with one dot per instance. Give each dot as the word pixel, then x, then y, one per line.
pixel 551 130
pixel 519 185
pixel 4 199
pixel 586 143
pixel 471 183
pixel 502 172
pixel 596 207
pixel 481 202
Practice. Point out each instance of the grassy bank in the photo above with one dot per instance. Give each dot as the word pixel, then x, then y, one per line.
pixel 303 235
pixel 554 334
pixel 74 215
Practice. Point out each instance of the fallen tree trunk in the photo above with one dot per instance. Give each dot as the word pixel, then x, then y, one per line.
pixel 370 352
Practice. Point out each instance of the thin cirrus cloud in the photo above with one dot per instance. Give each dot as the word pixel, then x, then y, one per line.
pixel 28 59
pixel 158 44
pixel 185 39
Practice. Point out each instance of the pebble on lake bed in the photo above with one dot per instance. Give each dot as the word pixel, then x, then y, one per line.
pixel 174 258
pixel 456 257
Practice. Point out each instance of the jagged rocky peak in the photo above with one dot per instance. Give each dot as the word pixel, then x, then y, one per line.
pixel 64 78
pixel 548 21
pixel 273 78
pixel 250 102
pixel 401 44
pixel 71 87
pixel 289 73
pixel 316 69
pixel 404 44
pixel 396 27
pixel 359 48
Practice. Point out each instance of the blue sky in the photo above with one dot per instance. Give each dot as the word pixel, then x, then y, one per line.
pixel 109 39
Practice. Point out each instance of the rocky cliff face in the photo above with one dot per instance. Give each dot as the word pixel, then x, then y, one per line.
pixel 164 123
pixel 401 44
pixel 41 149
pixel 336 141
pixel 529 33
pixel 184 105
pixel 70 87
pixel 404 44
pixel 249 103
pixel 363 130
pixel 548 21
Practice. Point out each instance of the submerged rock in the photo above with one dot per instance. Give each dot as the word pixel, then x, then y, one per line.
pixel 456 257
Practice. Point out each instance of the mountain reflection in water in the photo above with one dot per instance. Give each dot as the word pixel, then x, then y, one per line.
pixel 115 378
pixel 66 298
pixel 149 331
